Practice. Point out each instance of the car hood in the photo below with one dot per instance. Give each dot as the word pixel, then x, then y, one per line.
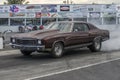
pixel 37 34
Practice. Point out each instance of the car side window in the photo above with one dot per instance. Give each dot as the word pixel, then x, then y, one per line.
pixel 80 27
pixel 86 28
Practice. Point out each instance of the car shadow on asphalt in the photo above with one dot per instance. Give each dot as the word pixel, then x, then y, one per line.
pixel 67 54
pixel 43 56
pixel 18 59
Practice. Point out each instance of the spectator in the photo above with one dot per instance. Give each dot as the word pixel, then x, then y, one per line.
pixel 34 28
pixel 21 28
pixel 26 29
pixel 30 27
pixel 41 27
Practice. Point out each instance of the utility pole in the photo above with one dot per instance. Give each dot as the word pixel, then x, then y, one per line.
pixel 67 1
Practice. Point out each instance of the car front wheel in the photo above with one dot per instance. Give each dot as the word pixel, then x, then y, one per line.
pixel 57 50
pixel 26 53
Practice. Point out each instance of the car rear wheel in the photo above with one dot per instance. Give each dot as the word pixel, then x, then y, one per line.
pixel 26 53
pixel 96 46
pixel 57 50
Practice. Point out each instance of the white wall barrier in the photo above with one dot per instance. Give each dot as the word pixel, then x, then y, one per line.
pixel 9 28
pixel 1 43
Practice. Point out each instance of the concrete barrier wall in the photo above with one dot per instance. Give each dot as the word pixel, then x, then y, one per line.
pixel 15 28
pixel 1 43
pixel 109 27
pixel 12 28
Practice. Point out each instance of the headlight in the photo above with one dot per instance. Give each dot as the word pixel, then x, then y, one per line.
pixel 39 41
pixel 13 40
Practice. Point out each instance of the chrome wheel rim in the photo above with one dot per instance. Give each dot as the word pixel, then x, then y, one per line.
pixel 58 50
pixel 97 44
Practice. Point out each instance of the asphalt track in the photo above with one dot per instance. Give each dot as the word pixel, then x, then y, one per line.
pixel 14 66
pixel 104 71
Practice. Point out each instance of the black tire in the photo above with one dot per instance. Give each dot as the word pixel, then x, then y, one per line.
pixel 57 50
pixel 26 53
pixel 96 46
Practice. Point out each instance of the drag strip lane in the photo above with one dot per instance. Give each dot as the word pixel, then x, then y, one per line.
pixel 107 70
pixel 14 66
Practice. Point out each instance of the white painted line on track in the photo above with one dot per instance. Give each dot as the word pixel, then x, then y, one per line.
pixel 86 66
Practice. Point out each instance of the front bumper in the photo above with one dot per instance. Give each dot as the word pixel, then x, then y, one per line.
pixel 28 47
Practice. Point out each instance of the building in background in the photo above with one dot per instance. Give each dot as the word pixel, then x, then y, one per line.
pixel 13 16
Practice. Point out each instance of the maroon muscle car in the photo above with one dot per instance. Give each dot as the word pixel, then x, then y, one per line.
pixel 61 36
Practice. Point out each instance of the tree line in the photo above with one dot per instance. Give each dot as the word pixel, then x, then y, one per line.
pixel 16 2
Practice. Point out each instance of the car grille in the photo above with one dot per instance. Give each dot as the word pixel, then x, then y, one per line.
pixel 26 41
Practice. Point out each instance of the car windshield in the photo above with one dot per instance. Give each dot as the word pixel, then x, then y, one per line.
pixel 47 26
pixel 62 27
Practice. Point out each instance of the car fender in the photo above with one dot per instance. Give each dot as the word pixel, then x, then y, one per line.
pixel 98 37
pixel 58 41
pixel 53 41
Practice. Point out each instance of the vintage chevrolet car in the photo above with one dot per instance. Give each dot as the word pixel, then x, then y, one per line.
pixel 61 36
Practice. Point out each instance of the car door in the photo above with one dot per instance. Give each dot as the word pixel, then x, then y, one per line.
pixel 79 34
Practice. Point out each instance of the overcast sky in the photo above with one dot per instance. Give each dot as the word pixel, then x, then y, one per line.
pixel 75 1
